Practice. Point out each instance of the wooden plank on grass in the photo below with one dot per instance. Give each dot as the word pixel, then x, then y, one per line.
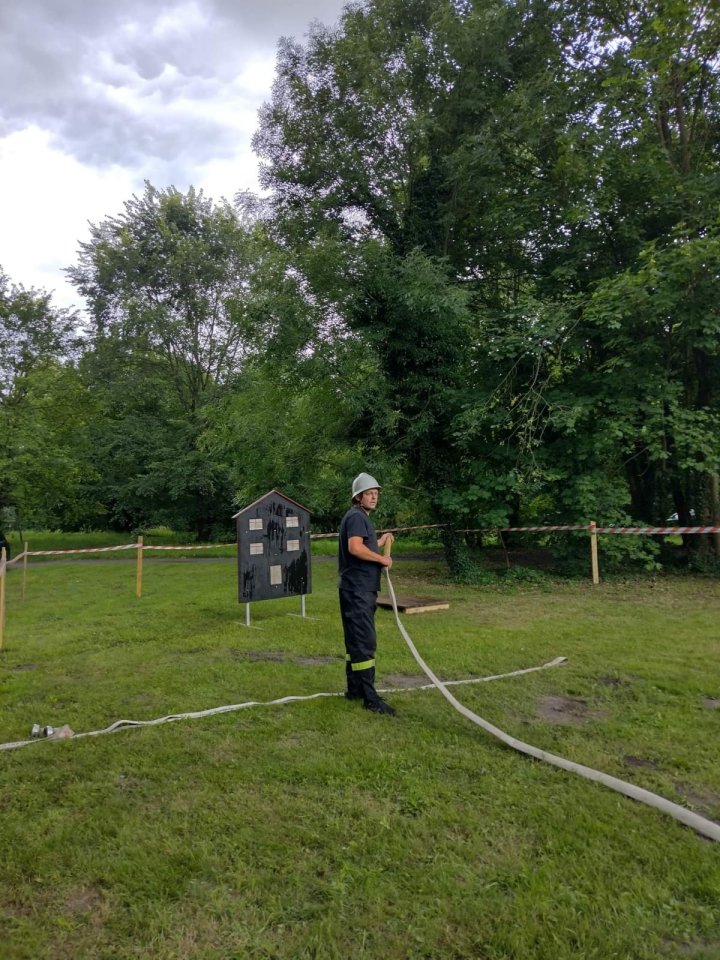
pixel 414 604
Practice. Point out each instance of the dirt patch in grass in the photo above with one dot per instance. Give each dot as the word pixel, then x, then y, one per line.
pixel 274 655
pixel 568 710
pixel 81 901
pixel 404 680
pixel 613 682
pixel 705 800
pixel 34 666
pixel 16 908
pixel 640 762
pixel 710 704
pixel 128 783
pixel 704 950
pixel 314 661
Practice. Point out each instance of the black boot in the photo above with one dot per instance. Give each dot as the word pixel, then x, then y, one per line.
pixel 371 700
pixel 380 706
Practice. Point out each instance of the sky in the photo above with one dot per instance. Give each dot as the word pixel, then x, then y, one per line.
pixel 98 96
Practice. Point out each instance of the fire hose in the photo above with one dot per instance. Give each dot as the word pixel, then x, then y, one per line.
pixel 700 824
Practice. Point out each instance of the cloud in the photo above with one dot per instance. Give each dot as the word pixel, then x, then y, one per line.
pixel 108 93
pixel 115 81
pixel 42 223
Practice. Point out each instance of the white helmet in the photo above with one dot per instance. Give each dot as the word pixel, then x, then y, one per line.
pixel 363 482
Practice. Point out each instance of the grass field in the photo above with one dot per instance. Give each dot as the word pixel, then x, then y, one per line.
pixel 317 830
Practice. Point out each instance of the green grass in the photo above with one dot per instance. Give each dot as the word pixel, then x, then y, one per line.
pixel 316 830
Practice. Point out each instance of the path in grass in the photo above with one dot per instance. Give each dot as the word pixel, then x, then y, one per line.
pixel 317 830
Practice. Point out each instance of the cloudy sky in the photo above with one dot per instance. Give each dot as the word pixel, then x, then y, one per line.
pixel 99 95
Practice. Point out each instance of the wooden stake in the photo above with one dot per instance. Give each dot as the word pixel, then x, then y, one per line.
pixel 24 575
pixel 138 576
pixel 504 546
pixel 715 510
pixel 594 553
pixel 3 557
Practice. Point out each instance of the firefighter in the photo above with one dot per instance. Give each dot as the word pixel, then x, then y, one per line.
pixel 360 562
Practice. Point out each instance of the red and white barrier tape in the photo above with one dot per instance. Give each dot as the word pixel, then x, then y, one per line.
pixel 632 531
pixel 654 530
pixel 204 546
pixel 627 531
pixel 52 553
pixel 424 526
pixel 564 526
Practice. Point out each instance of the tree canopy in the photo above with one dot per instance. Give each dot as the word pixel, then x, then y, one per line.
pixel 487 266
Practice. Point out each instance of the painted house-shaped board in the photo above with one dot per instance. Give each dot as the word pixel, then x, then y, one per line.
pixel 273 536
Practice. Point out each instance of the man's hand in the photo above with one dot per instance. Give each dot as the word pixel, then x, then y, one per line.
pixel 358 549
pixel 386 541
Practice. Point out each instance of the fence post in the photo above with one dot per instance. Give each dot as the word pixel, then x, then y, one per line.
pixel 501 537
pixel 24 574
pixel 138 574
pixel 715 511
pixel 594 553
pixel 3 567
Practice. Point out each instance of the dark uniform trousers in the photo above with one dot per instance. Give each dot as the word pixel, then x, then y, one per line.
pixel 357 609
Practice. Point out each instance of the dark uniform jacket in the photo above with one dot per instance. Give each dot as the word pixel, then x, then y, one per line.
pixel 357 574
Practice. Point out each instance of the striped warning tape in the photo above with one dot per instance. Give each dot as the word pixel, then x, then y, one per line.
pixel 629 531
pixel 52 553
pixel 203 546
pixel 589 527
pixel 564 526
pixel 424 526
pixel 654 530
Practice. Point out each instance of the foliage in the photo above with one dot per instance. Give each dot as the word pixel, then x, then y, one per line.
pixel 50 468
pixel 44 411
pixel 167 285
pixel 32 332
pixel 491 173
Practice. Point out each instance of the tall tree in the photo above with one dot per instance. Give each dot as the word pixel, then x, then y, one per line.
pixel 167 286
pixel 520 155
pixel 42 415
pixel 32 331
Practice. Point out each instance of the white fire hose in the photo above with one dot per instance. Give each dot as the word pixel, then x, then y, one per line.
pixel 702 825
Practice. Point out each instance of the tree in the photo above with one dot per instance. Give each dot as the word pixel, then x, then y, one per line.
pixel 423 202
pixel 45 446
pixel 39 406
pixel 522 156
pixel 32 331
pixel 167 285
